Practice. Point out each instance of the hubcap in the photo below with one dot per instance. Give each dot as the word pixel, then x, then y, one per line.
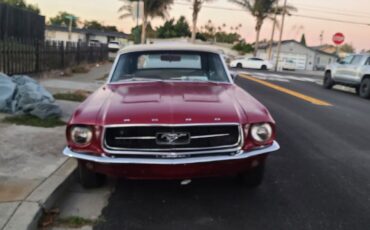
pixel 364 88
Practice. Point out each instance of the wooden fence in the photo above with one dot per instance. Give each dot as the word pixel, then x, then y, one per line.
pixel 18 23
pixel 25 56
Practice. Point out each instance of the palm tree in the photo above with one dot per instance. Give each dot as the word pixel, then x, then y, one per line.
pixel 152 9
pixel 197 6
pixel 261 9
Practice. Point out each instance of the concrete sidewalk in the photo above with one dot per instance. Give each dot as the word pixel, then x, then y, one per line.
pixel 84 81
pixel 33 171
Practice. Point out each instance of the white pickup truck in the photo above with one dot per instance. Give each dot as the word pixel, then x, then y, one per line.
pixel 353 71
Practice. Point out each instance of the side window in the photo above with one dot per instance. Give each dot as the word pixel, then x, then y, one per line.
pixel 367 61
pixel 347 60
pixel 356 60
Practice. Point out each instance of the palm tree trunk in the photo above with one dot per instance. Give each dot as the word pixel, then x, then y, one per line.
pixel 258 31
pixel 143 29
pixel 195 19
pixel 194 30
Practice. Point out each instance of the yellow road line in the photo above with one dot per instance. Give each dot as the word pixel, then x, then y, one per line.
pixel 287 91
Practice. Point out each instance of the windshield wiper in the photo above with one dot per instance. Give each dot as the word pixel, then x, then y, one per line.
pixel 140 79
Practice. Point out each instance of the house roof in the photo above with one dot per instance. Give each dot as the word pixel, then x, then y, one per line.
pixel 88 31
pixel 266 45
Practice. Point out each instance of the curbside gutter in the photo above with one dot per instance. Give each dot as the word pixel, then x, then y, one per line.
pixel 29 211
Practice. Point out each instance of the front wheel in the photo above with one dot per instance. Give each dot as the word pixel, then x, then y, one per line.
pixel 253 178
pixel 264 67
pixel 328 81
pixel 364 90
pixel 88 178
pixel 239 65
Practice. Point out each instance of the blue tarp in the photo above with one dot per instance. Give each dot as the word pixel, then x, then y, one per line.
pixel 23 95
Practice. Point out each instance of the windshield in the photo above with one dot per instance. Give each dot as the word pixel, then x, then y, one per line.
pixel 170 66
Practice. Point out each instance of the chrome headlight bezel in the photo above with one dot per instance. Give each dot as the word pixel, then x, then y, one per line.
pixel 261 133
pixel 81 135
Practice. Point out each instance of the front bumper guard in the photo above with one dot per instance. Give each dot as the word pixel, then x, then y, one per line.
pixel 103 159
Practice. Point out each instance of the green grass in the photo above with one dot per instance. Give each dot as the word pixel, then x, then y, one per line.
pixel 103 78
pixel 76 222
pixel 80 69
pixel 30 120
pixel 79 97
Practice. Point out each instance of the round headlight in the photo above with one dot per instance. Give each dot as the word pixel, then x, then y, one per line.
pixel 261 133
pixel 81 135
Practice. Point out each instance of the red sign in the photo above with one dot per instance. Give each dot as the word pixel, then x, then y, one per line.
pixel 338 38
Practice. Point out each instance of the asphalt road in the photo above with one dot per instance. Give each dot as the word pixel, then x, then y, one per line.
pixel 320 179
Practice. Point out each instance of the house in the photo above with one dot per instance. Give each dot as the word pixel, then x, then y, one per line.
pixel 331 49
pixel 305 58
pixel 61 33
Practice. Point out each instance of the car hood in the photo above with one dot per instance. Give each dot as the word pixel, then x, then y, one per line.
pixel 170 103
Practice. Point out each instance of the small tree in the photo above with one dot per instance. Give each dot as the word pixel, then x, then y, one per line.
pixel 170 29
pixel 197 6
pixel 22 5
pixel 61 19
pixel 136 33
pixel 261 10
pixel 152 9
pixel 95 25
pixel 303 40
pixel 242 47
pixel 347 48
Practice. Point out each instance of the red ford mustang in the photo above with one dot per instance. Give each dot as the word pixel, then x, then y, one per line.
pixel 170 112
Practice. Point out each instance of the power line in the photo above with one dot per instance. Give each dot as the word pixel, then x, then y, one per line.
pixel 332 9
pixel 292 14
pixel 337 13
pixel 331 19
pixel 212 7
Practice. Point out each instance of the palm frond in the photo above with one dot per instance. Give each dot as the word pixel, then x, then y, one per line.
pixel 246 4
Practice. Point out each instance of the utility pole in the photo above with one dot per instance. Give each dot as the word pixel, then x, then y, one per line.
pixel 273 31
pixel 321 37
pixel 281 36
pixel 137 13
pixel 70 18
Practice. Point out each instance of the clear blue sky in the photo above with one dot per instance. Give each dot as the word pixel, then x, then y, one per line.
pixel 105 11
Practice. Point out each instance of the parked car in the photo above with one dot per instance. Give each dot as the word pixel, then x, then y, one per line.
pixel 114 46
pixel 289 65
pixel 353 71
pixel 170 112
pixel 251 63
pixel 94 43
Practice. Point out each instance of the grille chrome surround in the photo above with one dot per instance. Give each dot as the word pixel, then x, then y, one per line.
pixel 174 150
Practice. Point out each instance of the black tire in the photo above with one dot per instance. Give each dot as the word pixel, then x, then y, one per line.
pixel 357 88
pixel 364 90
pixel 88 178
pixel 253 178
pixel 328 82
pixel 239 65
pixel 264 67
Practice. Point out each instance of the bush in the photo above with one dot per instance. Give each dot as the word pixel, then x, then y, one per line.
pixel 242 47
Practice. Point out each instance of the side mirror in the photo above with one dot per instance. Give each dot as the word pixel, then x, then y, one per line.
pixel 234 75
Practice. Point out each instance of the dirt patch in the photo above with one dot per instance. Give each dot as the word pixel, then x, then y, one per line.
pixel 30 120
pixel 78 96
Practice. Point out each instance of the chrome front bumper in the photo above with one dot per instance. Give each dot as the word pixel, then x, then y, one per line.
pixel 170 161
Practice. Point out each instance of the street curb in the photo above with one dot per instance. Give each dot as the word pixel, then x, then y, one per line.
pixel 30 210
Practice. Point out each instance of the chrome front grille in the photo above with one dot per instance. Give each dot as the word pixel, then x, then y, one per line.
pixel 170 138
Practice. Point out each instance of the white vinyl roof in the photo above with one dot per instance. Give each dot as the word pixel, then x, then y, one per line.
pixel 171 47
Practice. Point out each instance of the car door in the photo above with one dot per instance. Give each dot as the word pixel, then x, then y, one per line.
pixel 255 63
pixel 354 69
pixel 340 72
pixel 248 63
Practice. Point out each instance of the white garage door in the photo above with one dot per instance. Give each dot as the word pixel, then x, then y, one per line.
pixel 299 60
